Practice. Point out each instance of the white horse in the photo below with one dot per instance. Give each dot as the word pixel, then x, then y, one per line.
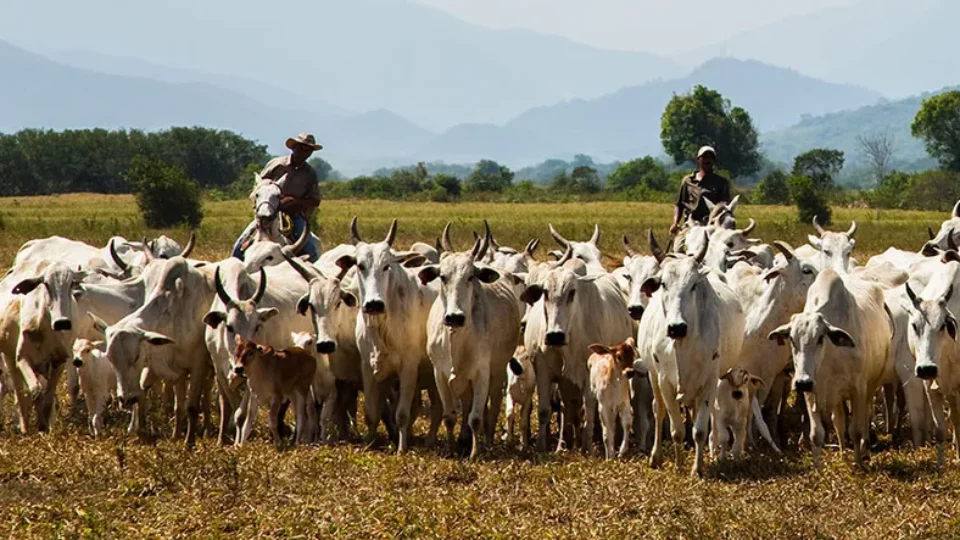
pixel 265 244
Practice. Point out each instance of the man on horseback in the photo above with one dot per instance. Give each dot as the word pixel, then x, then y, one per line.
pixel 299 191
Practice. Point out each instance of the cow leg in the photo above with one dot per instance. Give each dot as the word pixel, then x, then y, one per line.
pixel 757 417
pixel 481 391
pixel 20 398
pixel 953 401
pixel 939 422
pixel 544 409
pixel 701 427
pixel 408 387
pixel 572 405
pixel 525 411
pixel 46 402
pixel 642 411
pixel 205 406
pixel 179 407
pixel 373 401
pixel 590 414
pixel 659 414
pixel 197 382
pixel 436 412
pixel 96 413
pixel 915 406
pixel 448 403
pixel 248 411
pixel 626 419
pixel 507 436
pixel 73 387
pixel 496 385
pixel 273 419
pixel 861 405
pixel 840 424
pixel 817 433
pixel 678 428
pixel 889 406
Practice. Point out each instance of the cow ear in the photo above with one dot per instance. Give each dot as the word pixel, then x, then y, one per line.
pixel 781 334
pixel 599 348
pixel 99 324
pixel 814 241
pixel 27 286
pixel 428 273
pixel 346 261
pixel 531 294
pixel 267 313
pixel 415 261
pixel 951 324
pixel 154 338
pixel 772 273
pixel 650 286
pixel 303 304
pixel 487 275
pixel 518 277
pixel 213 319
pixel 348 298
pixel 757 382
pixel 840 337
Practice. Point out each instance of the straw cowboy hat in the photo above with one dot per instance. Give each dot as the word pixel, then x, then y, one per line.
pixel 305 139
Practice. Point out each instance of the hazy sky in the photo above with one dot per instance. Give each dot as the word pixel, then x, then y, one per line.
pixel 659 26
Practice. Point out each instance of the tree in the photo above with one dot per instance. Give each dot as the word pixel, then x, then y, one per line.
pixel 323 168
pixel 165 195
pixel 938 124
pixel 892 191
pixel 449 184
pixel 821 166
pixel 645 171
pixel 810 200
pixel 933 190
pixel 877 149
pixel 704 117
pixel 773 189
pixel 489 176
pixel 585 179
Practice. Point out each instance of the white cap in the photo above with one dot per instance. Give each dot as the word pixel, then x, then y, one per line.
pixel 704 149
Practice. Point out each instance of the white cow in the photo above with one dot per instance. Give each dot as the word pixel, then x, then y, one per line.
pixel 932 336
pixel 588 251
pixel 391 333
pixel 693 326
pixel 723 242
pixel 949 234
pixel 571 312
pixel 472 331
pixel 169 317
pixel 638 269
pixel 832 248
pixel 906 384
pixel 840 344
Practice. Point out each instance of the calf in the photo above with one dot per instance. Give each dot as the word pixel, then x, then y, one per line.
pixel 274 376
pixel 521 382
pixel 324 383
pixel 736 406
pixel 97 380
pixel 611 369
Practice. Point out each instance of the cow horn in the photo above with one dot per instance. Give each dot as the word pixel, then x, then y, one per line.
pixel 785 248
pixel 221 292
pixel 596 234
pixel 913 297
pixel 853 229
pixel 750 227
pixel 437 245
pixel 956 209
pixel 116 257
pixel 531 247
pixel 703 249
pixel 567 255
pixel 445 242
pixel 262 288
pixel 930 232
pixel 558 237
pixel 487 240
pixel 817 227
pixel 147 254
pixel 354 234
pixel 191 243
pixel 391 234
pixel 299 244
pixel 655 247
pixel 626 246
pixel 308 274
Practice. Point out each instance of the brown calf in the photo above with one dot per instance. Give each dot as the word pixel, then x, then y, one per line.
pixel 610 371
pixel 273 376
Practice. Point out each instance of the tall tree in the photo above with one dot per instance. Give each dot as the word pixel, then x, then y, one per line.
pixel 704 117
pixel 489 176
pixel 820 165
pixel 645 171
pixel 877 149
pixel 938 124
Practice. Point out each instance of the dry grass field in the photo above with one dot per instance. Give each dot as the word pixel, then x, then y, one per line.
pixel 68 484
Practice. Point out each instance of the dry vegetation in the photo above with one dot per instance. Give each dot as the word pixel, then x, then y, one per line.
pixel 68 484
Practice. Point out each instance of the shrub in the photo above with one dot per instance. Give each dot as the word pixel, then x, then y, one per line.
pixel 809 199
pixel 165 195
pixel 773 190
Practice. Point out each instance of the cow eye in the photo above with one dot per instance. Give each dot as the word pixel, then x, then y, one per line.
pixel 230 329
pixel 443 278
pixel 628 277
pixel 807 271
pixel 362 267
pixel 730 245
pixel 269 258
pixel 386 267
pixel 828 253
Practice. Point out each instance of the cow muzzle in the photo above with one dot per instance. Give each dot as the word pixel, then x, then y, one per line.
pixel 62 325
pixel 636 312
pixel 455 320
pixel 129 402
pixel 238 371
pixel 326 347
pixel 77 363
pixel 803 385
pixel 556 339
pixel 927 371
pixel 677 330
pixel 374 307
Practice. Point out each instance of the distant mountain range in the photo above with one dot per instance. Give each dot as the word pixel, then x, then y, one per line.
pixel 361 55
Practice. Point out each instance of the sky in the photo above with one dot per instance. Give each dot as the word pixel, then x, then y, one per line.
pixel 658 26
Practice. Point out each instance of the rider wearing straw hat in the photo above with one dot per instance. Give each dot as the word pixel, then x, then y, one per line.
pixel 299 188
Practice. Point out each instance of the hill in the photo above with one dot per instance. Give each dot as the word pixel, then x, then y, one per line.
pixel 47 94
pixel 361 55
pixel 840 131
pixel 626 123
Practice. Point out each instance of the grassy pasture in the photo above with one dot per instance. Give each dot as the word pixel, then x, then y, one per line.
pixel 68 484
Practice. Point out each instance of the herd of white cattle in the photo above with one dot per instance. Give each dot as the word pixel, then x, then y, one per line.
pixel 719 329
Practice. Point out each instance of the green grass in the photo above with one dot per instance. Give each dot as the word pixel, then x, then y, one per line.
pixel 67 484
